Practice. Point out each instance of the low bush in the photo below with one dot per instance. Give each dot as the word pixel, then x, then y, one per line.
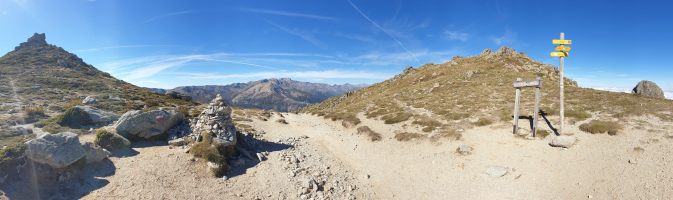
pixel 74 118
pixel 397 117
pixel 110 140
pixel 207 151
pixel 596 126
pixel 373 136
pixel 404 136
pixel 449 134
pixel 483 122
pixel 577 114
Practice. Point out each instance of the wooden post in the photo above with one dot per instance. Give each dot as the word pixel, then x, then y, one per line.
pixel 515 122
pixel 560 130
pixel 537 106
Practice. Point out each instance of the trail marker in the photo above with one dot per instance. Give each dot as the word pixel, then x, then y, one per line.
pixel 562 54
pixel 518 84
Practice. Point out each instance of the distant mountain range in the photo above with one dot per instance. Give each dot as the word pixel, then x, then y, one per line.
pixel 282 94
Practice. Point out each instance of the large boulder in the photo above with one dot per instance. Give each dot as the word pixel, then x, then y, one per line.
pixel 137 123
pixel 56 150
pixel 648 89
pixel 215 123
pixel 98 116
pixel 82 116
pixel 565 141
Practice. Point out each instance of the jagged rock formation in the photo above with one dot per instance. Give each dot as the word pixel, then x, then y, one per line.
pixel 275 94
pixel 648 89
pixel 215 123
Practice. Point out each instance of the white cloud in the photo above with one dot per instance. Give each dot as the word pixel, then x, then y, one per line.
pixel 508 38
pixel 288 14
pixel 303 35
pixel 326 74
pixel 455 35
pixel 387 32
pixel 119 47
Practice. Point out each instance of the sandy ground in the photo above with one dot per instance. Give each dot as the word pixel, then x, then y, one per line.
pixel 634 164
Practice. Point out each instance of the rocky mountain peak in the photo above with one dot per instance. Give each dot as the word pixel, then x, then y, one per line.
pixel 37 40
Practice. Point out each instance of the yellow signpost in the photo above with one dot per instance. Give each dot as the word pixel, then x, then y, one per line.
pixel 561 52
pixel 558 54
pixel 562 48
pixel 561 41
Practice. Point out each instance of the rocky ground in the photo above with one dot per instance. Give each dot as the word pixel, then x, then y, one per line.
pixel 313 158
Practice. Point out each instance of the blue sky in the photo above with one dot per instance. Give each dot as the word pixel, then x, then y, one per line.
pixel 171 43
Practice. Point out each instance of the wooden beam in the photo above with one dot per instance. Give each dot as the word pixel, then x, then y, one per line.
pixel 519 83
pixel 537 107
pixel 517 95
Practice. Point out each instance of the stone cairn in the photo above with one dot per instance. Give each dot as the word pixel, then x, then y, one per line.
pixel 215 122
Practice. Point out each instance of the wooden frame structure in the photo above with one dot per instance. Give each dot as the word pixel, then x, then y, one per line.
pixel 518 84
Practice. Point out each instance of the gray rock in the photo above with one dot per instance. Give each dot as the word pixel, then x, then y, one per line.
pixel 98 116
pixel 56 150
pixel 95 153
pixel 216 121
pixel 565 141
pixel 89 100
pixel 496 171
pixel 464 149
pixel 648 89
pixel 147 124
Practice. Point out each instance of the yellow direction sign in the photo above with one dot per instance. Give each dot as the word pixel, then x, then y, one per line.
pixel 562 48
pixel 559 54
pixel 561 42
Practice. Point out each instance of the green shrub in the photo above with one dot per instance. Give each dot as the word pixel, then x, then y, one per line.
pixel 110 140
pixel 74 118
pixel 34 110
pixel 596 126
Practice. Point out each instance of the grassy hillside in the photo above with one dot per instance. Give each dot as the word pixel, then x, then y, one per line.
pixel 473 91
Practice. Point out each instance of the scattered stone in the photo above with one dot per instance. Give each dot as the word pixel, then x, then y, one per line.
pixel 648 89
pixel 215 169
pixel 496 171
pixel 147 124
pixel 633 161
pixel 56 150
pixel 565 141
pixel 177 142
pixel 89 100
pixel 464 149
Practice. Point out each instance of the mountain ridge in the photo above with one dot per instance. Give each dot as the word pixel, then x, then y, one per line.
pixel 281 94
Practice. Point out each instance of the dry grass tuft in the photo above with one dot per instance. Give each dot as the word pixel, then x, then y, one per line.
pixel 207 151
pixel 397 117
pixel 578 114
pixel 596 126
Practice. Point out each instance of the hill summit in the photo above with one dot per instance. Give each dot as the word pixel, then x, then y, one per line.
pixel 467 91
pixel 40 75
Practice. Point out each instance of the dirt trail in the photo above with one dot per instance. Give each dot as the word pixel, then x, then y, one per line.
pixel 15 94
pixel 631 165
pixel 598 166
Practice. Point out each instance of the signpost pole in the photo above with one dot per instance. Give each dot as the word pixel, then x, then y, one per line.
pixel 537 105
pixel 515 122
pixel 560 130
